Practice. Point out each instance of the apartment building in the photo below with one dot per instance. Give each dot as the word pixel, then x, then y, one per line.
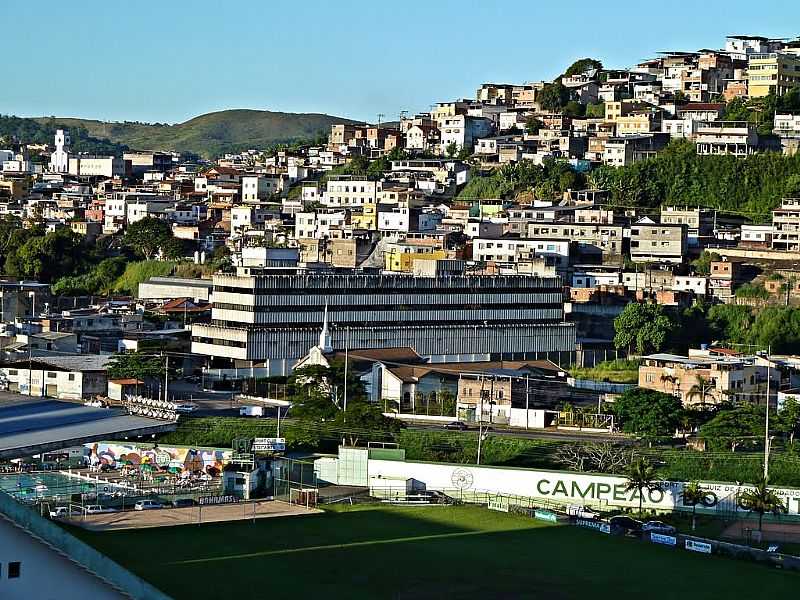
pixel 706 381
pixel 98 166
pixel 509 250
pixel 786 225
pixel 256 188
pixel 735 138
pixel 658 243
pixel 602 240
pixel 773 72
pixel 266 320
pixel 345 192
pixel 462 131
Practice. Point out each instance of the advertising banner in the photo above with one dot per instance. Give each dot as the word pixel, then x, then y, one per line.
pixel 269 444
pixel 660 538
pixel 695 546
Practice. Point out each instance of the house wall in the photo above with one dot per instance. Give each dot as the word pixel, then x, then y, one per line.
pixel 44 573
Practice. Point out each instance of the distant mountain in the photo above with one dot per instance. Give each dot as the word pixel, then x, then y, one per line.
pixel 208 135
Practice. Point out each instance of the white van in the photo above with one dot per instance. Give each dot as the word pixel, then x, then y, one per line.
pixel 147 505
pixel 251 411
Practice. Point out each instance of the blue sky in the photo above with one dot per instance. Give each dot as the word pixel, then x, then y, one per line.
pixel 171 60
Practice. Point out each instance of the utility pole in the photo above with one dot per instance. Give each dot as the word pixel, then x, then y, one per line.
pixel 527 402
pixel 166 378
pixel 346 348
pixel 480 423
pixel 766 420
pixel 278 432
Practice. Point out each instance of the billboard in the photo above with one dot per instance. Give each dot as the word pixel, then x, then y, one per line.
pixel 269 445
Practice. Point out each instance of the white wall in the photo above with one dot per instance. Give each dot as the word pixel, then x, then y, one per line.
pixel 558 486
pixel 45 574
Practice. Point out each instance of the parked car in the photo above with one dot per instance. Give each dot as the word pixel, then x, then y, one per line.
pixel 185 408
pixel 580 511
pixel 456 425
pixel 183 503
pixel 96 509
pixel 147 505
pixel 627 523
pixel 61 512
pixel 658 527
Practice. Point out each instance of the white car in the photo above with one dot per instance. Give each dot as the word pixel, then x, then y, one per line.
pixel 185 408
pixel 582 512
pixel 96 509
pixel 61 512
pixel 147 505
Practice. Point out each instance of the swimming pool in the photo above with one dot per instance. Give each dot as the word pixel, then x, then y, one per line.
pixel 36 486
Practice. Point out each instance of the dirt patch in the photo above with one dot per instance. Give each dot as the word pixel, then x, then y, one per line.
pixel 783 531
pixel 194 515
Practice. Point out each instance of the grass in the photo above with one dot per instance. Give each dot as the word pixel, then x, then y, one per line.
pixel 611 371
pixel 213 133
pixel 420 552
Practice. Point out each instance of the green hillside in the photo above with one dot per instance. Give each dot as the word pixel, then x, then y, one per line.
pixel 208 135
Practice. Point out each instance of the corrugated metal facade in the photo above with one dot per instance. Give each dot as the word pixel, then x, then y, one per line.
pixel 461 316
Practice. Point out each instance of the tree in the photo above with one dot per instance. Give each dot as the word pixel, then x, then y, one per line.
pixel 641 475
pixel 553 96
pixel 761 499
pixel 731 427
pixel 643 327
pixel 532 125
pixel 451 150
pixel 135 365
pixel 693 494
pixel 148 237
pixel 680 98
pixel 648 413
pixel 596 110
pixel 364 419
pixel 583 65
pixel 787 421
pixel 600 457
pixel 702 265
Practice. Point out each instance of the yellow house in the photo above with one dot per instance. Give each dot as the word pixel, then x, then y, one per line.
pixel 773 72
pixel 402 260
pixel 367 218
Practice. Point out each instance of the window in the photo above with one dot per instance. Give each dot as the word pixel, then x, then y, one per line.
pixel 72 376
pixel 14 569
pixel 50 375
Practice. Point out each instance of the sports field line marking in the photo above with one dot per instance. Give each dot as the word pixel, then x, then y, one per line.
pixel 336 546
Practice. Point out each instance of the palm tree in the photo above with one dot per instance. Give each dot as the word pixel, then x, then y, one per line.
pixel 642 476
pixel 761 499
pixel 703 388
pixel 671 380
pixel 693 494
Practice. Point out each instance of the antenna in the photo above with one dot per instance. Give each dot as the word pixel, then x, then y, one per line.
pixel 380 116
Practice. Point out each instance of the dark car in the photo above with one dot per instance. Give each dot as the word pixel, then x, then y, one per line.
pixel 183 502
pixel 625 523
pixel 456 425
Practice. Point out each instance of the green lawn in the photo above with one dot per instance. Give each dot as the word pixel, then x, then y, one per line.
pixel 423 552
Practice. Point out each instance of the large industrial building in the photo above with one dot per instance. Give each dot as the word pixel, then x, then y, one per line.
pixel 269 321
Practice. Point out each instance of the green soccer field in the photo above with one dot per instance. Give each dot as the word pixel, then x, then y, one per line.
pixel 423 552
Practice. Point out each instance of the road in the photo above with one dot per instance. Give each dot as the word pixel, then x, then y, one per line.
pixel 221 404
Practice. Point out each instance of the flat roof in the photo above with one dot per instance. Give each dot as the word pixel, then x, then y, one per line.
pixel 32 426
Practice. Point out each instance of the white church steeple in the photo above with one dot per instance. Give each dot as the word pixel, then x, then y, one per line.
pixel 324 335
